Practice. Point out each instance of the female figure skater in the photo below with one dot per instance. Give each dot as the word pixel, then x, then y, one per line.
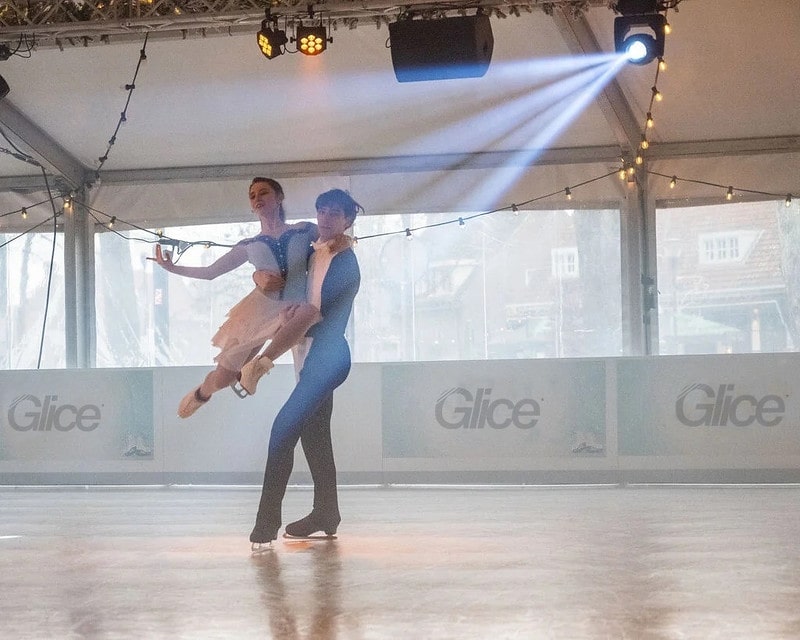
pixel 333 281
pixel 280 255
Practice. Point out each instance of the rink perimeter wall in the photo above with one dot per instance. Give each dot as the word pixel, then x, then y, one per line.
pixel 692 419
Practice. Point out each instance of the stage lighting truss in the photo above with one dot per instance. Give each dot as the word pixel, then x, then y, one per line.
pixel 640 37
pixel 312 41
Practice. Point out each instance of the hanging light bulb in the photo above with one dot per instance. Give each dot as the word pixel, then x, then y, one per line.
pixel 111 222
pixel 657 94
pixel 667 28
pixel 673 182
pixel 461 223
pixel 631 170
pixel 408 234
pixel 622 173
pixel 788 201
pixel 515 209
pixel 568 193
pixel 639 159
pixel 729 194
pixel 644 144
pixel 650 122
pixel 662 66
pixel 24 212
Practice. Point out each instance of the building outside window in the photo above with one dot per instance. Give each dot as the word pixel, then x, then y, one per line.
pixel 728 278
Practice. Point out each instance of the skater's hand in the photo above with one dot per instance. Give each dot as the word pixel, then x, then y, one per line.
pixel 164 258
pixel 268 281
pixel 287 313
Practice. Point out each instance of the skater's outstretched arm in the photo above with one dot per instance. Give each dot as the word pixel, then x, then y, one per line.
pixel 236 257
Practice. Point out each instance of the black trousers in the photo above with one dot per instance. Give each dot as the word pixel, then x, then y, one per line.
pixel 306 416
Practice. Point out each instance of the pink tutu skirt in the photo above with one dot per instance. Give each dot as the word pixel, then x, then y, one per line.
pixel 251 322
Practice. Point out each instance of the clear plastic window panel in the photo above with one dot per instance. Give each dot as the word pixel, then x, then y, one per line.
pixel 32 294
pixel 729 278
pixel 483 290
pixel 148 317
pixel 538 284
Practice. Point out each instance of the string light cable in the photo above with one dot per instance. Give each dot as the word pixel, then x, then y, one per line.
pixel 514 208
pixel 27 231
pixel 123 116
pixel 728 188
pixel 108 221
pixel 17 152
pixel 180 246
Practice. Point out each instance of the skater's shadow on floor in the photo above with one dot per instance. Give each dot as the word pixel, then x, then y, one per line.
pixel 289 583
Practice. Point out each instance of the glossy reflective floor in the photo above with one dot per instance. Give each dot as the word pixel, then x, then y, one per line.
pixel 488 563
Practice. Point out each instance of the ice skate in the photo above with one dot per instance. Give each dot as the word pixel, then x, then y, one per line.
pixel 191 402
pixel 310 528
pixel 252 373
pixel 261 539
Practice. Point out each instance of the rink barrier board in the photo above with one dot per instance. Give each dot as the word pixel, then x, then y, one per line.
pixel 716 419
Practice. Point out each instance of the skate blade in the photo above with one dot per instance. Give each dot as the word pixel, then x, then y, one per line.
pixel 312 537
pixel 239 390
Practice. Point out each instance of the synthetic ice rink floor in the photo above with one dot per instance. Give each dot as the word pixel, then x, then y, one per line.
pixel 655 562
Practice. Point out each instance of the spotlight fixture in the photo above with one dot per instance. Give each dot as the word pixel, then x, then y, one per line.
pixel 639 31
pixel 312 41
pixel 271 40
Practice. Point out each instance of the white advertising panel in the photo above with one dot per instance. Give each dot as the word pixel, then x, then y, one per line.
pixel 498 409
pixel 735 406
pixel 80 415
pixel 230 435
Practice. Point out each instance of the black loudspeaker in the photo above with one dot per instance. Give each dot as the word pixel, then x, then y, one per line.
pixel 458 47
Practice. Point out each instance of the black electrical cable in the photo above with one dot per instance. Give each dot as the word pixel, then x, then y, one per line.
pixel 50 273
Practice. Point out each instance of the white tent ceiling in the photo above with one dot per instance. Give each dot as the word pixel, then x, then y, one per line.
pixel 731 86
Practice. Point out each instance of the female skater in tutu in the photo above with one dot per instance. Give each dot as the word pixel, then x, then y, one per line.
pixel 280 255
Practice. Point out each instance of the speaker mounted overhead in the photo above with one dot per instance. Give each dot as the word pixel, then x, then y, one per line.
pixel 443 49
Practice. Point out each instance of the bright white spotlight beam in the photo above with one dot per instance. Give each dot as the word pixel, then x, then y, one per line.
pixel 566 111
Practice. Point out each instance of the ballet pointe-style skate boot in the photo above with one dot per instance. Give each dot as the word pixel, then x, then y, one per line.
pixel 191 402
pixel 311 525
pixel 252 373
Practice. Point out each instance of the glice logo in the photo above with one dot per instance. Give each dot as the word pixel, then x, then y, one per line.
pixel 701 405
pixel 28 413
pixel 457 408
